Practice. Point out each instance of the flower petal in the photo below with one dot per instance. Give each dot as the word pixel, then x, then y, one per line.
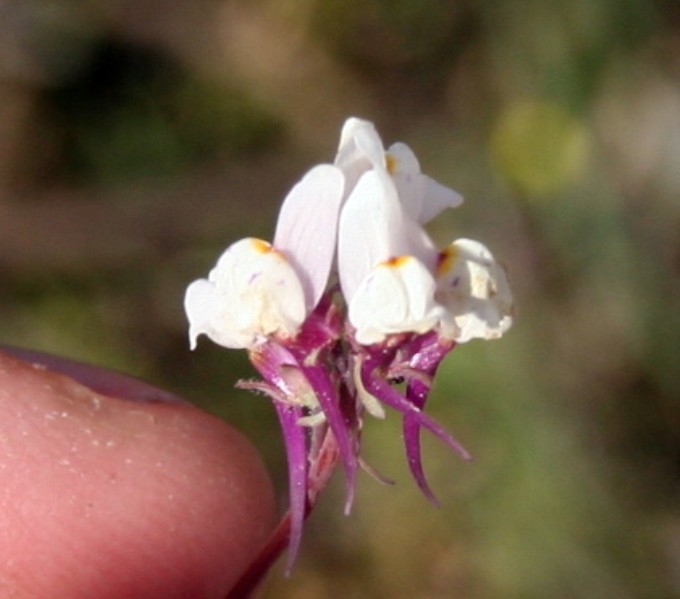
pixel 368 223
pixel 437 198
pixel 253 291
pixel 373 229
pixel 307 228
pixel 422 197
pixel 202 304
pixel 473 288
pixel 396 297
pixel 360 150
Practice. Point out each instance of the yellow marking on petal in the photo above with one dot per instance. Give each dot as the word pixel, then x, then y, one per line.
pixel 397 262
pixel 447 260
pixel 262 246
pixel 392 163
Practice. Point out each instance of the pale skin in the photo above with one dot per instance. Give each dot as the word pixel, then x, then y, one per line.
pixel 111 488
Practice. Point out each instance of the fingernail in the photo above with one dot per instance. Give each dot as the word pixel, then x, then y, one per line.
pixel 101 380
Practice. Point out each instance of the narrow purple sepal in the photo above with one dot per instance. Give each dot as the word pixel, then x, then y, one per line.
pixel 327 396
pixel 271 359
pixel 385 393
pixel 416 393
pixel 295 439
pixel 427 353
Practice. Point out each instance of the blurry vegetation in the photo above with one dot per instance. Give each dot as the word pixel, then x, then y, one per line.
pixel 138 139
pixel 130 111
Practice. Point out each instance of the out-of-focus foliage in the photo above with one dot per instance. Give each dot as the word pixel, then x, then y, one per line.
pixel 137 139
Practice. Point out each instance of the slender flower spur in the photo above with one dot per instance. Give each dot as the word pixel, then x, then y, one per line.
pixel 351 300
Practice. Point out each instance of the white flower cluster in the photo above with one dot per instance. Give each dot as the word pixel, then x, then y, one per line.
pixel 367 209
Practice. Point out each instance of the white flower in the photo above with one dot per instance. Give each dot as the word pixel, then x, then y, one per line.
pixel 392 277
pixel 385 263
pixel 361 150
pixel 252 292
pixel 473 288
pixel 256 289
pixel 371 204
pixel 397 296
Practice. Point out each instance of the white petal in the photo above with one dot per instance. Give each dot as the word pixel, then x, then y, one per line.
pixel 253 291
pixel 360 149
pixel 396 297
pixel 369 221
pixel 473 288
pixel 437 198
pixel 307 228
pixel 374 228
pixel 423 198
pixel 402 160
pixel 404 168
pixel 201 302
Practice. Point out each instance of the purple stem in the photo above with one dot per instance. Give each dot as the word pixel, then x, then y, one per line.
pixel 257 570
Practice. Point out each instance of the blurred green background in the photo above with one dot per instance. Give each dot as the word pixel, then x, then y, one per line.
pixel 139 138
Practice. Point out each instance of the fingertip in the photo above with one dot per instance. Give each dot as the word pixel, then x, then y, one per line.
pixel 113 498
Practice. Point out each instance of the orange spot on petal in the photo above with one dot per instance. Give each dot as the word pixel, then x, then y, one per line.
pixel 262 246
pixel 392 164
pixel 398 261
pixel 446 260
